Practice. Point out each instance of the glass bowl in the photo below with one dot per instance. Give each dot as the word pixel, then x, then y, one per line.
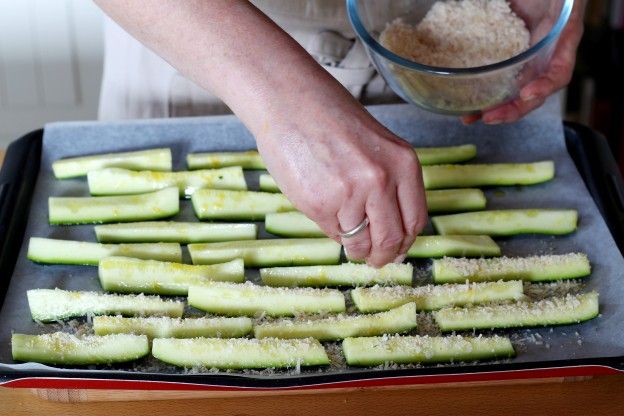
pixel 458 91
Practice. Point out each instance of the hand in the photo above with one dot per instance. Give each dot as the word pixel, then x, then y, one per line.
pixel 556 76
pixel 338 165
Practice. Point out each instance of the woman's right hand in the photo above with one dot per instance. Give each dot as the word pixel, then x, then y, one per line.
pixel 338 165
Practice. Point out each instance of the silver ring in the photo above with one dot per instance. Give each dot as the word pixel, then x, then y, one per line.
pixel 358 229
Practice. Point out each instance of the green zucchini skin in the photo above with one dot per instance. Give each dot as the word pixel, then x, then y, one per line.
pixel 495 174
pixel 48 305
pixel 94 210
pixel 431 297
pixel 533 268
pixel 62 348
pixel 509 222
pixel 570 309
pixel 174 232
pixel 246 299
pixel 128 275
pixel 373 351
pixel 347 274
pixel 152 159
pixel 167 327
pixel 268 253
pixel 240 353
pixel 116 181
pixel 216 204
pixel 395 321
pixel 53 251
pixel 251 159
pixel 433 246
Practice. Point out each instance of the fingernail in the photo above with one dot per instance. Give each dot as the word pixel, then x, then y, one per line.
pixel 528 96
pixel 399 258
pixel 493 121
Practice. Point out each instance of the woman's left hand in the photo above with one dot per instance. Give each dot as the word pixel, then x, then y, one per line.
pixel 556 76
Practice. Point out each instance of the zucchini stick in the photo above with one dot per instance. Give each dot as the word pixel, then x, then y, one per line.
pixel 508 222
pixel 533 268
pixel 551 311
pixel 115 181
pixel 153 159
pixel 91 210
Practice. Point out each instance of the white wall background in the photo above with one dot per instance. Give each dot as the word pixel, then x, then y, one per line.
pixel 50 63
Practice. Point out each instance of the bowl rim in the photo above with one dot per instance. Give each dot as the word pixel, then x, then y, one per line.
pixel 555 31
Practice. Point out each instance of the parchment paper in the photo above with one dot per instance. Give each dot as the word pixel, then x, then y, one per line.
pixel 537 137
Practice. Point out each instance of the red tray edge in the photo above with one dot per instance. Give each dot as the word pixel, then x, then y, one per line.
pixel 120 384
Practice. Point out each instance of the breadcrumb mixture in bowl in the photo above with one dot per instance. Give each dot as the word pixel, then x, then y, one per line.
pixel 459 56
pixel 460 34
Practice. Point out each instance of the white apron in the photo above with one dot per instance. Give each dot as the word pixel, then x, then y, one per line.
pixel 137 83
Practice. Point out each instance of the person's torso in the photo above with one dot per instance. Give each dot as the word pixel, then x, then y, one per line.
pixel 138 83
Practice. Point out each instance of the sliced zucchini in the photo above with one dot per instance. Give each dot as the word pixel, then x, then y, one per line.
pixel 431 297
pixel 266 253
pixel 495 174
pixel 291 224
pixel 240 353
pixel 296 224
pixel 153 159
pixel 52 251
pixel 115 181
pixel 395 321
pixel 90 210
pixel 128 275
pixel 214 204
pixel 267 183
pixel 428 246
pixel 551 311
pixel 448 200
pixel 166 327
pixel 534 268
pixel 251 159
pixel 373 351
pixel 68 349
pixel 47 305
pixel 509 222
pixel 347 274
pixel 467 176
pixel 246 299
pixel 446 154
pixel 247 160
pixel 178 232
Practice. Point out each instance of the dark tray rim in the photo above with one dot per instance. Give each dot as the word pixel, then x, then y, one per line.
pixel 18 176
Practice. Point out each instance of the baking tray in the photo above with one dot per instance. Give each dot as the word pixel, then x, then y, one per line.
pixel 596 347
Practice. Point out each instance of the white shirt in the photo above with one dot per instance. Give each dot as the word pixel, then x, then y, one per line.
pixel 137 83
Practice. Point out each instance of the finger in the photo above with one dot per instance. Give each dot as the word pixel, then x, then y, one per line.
pixel 413 209
pixel 557 75
pixel 350 216
pixel 386 227
pixel 331 227
pixel 470 119
pixel 512 111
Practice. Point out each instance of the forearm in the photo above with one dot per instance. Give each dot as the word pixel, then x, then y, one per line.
pixel 331 158
pixel 233 50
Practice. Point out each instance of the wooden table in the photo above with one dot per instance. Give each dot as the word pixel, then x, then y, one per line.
pixel 598 396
